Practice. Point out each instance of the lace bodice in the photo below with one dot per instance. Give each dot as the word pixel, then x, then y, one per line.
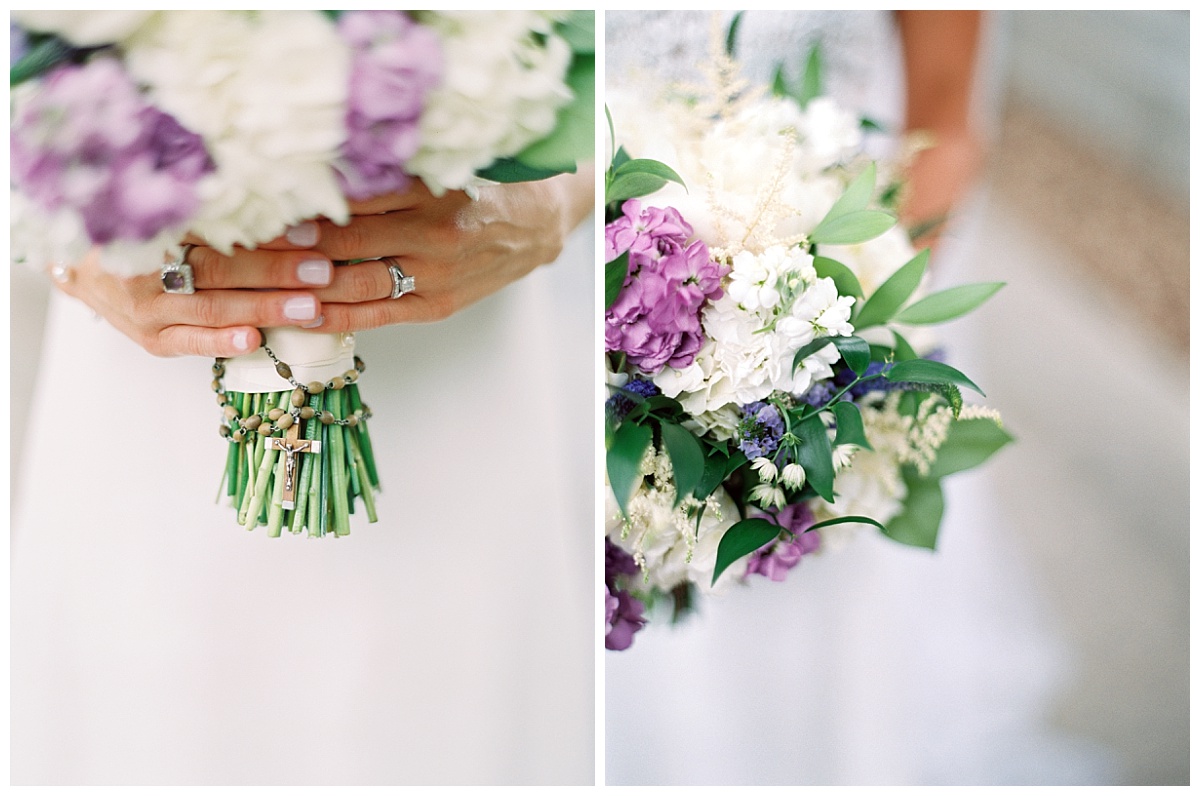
pixel 859 48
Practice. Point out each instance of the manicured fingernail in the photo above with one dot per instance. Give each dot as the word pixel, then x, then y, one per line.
pixel 300 308
pixel 304 234
pixel 320 320
pixel 241 340
pixel 314 272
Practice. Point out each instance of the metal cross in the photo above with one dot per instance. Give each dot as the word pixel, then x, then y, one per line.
pixel 291 445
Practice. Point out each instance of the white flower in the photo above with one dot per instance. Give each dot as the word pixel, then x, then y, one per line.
pixel 766 468
pixel 85 28
pixel 501 91
pixel 767 495
pixel 267 92
pixel 793 475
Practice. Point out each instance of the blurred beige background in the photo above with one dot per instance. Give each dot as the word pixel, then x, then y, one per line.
pixel 1086 353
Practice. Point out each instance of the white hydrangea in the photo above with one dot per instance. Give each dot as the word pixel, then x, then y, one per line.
pixel 85 28
pixel 773 306
pixel 501 91
pixel 267 91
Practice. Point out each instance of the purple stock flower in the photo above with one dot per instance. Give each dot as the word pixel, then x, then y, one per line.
pixel 622 612
pixel 774 559
pixel 396 63
pixel 87 140
pixel 760 429
pixel 655 320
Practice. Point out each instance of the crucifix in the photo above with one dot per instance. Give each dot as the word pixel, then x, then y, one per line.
pixel 291 445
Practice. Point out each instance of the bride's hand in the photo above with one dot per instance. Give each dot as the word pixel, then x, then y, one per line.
pixel 222 318
pixel 458 250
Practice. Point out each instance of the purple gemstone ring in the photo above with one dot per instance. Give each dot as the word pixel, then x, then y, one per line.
pixel 177 277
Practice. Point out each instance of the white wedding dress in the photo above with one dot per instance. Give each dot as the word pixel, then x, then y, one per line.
pixel 872 664
pixel 154 641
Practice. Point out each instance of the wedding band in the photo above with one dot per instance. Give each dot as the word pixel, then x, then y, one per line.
pixel 177 277
pixel 401 284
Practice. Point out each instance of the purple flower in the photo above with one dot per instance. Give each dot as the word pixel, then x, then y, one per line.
pixel 655 320
pixel 760 429
pixel 622 612
pixel 396 63
pixel 18 43
pixel 624 620
pixel 774 559
pixel 620 404
pixel 87 141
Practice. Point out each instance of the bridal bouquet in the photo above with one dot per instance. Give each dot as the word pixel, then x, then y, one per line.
pixel 132 129
pixel 773 383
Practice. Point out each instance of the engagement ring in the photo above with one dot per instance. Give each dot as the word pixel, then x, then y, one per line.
pixel 401 284
pixel 177 277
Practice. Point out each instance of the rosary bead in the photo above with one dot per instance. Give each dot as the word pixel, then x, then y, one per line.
pixel 352 421
pixel 336 383
pixel 274 415
pixel 283 370
pixel 350 376
pixel 238 435
pixel 359 365
pixel 299 397
pixel 221 400
pixel 327 417
pixel 307 413
pixel 315 387
pixel 266 430
pixel 218 369
pixel 252 422
pixel 284 422
pixel 230 412
pixel 224 431
pixel 216 385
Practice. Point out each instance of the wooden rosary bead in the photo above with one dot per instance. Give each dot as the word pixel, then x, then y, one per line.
pixel 307 413
pixel 224 431
pixel 359 365
pixel 283 370
pixel 238 435
pixel 284 422
pixel 336 383
pixel 352 421
pixel 299 397
pixel 230 412
pixel 350 376
pixel 327 417
pixel 216 385
pixel 252 422
pixel 275 414
pixel 315 387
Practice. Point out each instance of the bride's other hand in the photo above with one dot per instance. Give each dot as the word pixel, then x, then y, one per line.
pixel 221 319
pixel 939 64
pixel 458 250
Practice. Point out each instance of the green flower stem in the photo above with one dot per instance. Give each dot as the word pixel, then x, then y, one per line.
pixel 265 465
pixel 337 466
pixel 368 497
pixel 275 517
pixel 304 484
pixel 351 466
pixel 364 439
pixel 323 489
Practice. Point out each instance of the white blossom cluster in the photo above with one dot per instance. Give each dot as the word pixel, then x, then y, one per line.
pixel 774 305
pixel 666 540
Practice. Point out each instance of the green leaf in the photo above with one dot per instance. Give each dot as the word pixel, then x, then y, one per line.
pixel 843 278
pixel 808 350
pixel 947 304
pixel 871 125
pixel 731 34
pixel 639 177
pixel 903 350
pixel 892 294
pixel 615 272
pixel 850 425
pixel 579 31
pixel 917 524
pixel 508 170
pixel 687 459
pixel 841 520
pixel 716 466
pixel 881 353
pixel 624 461
pixel 815 456
pixel 742 539
pixel 620 157
pixel 857 195
pixel 855 227
pixel 969 444
pixel 574 135
pixel 952 395
pixel 855 351
pixel 812 84
pixel 43 56
pixel 926 371
pixel 779 87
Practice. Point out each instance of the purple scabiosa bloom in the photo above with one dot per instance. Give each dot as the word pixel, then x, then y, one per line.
pixel 760 429
pixel 655 320
pixel 774 559
pixel 620 404
pixel 87 140
pixel 622 612
pixel 396 62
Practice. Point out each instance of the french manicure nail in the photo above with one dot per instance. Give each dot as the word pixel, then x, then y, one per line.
pixel 241 340
pixel 300 308
pixel 320 320
pixel 314 272
pixel 304 234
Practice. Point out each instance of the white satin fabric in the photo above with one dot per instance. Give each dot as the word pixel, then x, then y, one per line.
pixel 154 641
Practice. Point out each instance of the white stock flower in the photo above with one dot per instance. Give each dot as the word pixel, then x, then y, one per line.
pixel 85 28
pixel 501 91
pixel 774 305
pixel 267 92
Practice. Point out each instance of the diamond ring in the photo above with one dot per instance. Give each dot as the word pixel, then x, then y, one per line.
pixel 401 284
pixel 177 277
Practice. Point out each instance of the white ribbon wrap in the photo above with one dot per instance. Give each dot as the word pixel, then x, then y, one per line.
pixel 312 356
